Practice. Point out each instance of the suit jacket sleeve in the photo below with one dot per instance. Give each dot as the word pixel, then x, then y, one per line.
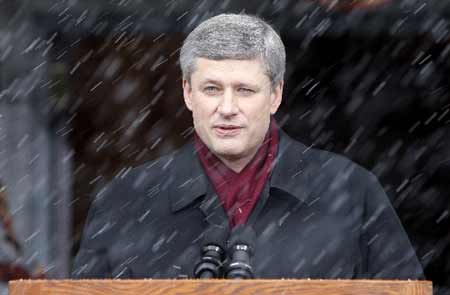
pixel 388 251
pixel 92 259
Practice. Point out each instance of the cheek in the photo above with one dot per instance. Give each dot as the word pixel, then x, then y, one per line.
pixel 257 109
pixel 205 105
pixel 202 112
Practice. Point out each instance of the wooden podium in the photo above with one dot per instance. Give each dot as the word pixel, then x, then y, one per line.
pixel 228 287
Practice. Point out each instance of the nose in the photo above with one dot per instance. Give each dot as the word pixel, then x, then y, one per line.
pixel 228 104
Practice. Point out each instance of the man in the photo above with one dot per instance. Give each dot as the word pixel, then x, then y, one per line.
pixel 315 214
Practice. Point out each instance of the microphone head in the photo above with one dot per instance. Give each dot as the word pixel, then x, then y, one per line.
pixel 216 235
pixel 243 236
pixel 241 248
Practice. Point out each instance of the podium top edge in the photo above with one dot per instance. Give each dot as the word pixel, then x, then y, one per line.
pixel 377 281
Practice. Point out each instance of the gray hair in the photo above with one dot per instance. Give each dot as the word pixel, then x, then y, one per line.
pixel 235 36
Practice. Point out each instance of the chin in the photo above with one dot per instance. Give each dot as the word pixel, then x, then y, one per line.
pixel 228 152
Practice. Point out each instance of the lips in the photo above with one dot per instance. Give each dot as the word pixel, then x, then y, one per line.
pixel 227 130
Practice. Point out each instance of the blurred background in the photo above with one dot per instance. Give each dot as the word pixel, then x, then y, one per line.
pixel 89 89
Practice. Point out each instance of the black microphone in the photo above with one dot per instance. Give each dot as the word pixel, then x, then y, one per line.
pixel 213 253
pixel 241 243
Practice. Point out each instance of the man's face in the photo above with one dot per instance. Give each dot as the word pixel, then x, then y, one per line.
pixel 231 103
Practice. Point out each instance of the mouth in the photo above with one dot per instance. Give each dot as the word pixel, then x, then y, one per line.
pixel 227 130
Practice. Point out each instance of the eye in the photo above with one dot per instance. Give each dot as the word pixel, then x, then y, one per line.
pixel 211 89
pixel 246 91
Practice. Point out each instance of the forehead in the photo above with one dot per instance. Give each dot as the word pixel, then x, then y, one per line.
pixel 230 70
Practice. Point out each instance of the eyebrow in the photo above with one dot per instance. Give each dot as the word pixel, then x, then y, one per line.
pixel 247 85
pixel 212 81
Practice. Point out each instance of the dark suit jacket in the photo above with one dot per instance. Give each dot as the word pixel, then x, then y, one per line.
pixel 319 216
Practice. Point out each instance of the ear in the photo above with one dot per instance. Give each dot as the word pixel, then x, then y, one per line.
pixel 187 94
pixel 275 97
